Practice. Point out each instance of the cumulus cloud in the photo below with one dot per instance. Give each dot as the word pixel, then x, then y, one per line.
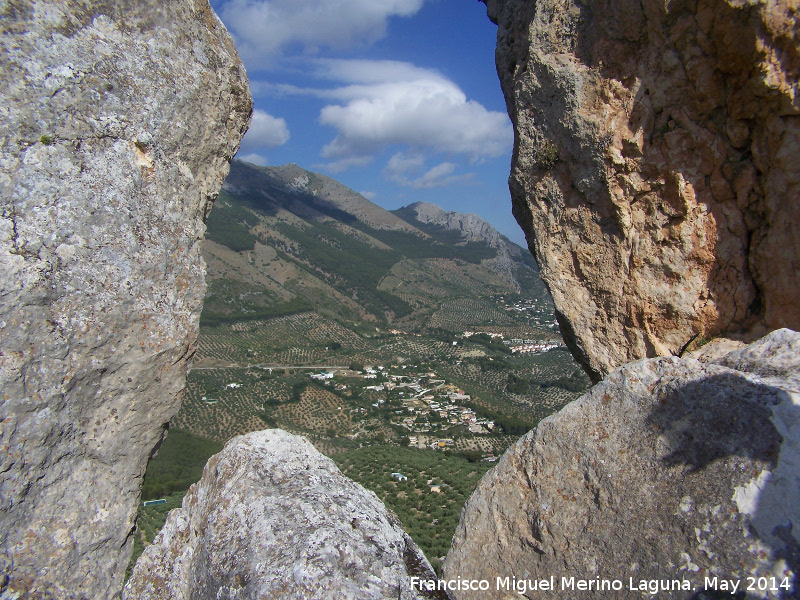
pixel 337 166
pixel 387 102
pixel 262 28
pixel 265 131
pixel 369 195
pixel 403 170
pixel 254 159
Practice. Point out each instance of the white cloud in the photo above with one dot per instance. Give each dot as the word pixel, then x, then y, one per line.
pixel 337 166
pixel 387 102
pixel 402 170
pixel 265 131
pixel 262 28
pixel 369 195
pixel 253 158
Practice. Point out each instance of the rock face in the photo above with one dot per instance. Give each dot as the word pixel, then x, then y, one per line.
pixel 471 227
pixel 118 122
pixel 655 169
pixel 273 518
pixel 475 229
pixel 670 469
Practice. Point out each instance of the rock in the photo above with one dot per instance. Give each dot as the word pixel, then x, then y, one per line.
pixel 118 122
pixel 471 227
pixel 474 229
pixel 655 167
pixel 670 469
pixel 273 518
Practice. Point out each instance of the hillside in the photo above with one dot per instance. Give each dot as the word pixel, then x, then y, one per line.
pixel 406 322
pixel 282 240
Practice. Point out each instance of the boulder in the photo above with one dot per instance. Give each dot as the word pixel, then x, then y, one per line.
pixel 655 168
pixel 671 475
pixel 118 121
pixel 273 518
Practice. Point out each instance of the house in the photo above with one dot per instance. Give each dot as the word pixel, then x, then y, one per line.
pixel 399 477
pixel 321 376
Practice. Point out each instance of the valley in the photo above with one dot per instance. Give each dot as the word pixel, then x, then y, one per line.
pixel 395 345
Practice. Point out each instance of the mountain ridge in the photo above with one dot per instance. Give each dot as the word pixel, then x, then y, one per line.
pixel 292 239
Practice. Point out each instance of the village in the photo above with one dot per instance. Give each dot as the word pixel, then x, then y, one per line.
pixel 422 403
pixel 536 311
pixel 519 344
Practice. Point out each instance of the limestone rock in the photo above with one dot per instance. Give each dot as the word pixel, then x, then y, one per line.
pixel 670 469
pixel 655 169
pixel 273 518
pixel 474 229
pixel 471 227
pixel 117 124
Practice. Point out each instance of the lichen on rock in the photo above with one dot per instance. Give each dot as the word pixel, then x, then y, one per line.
pixel 273 518
pixel 118 123
pixel 655 167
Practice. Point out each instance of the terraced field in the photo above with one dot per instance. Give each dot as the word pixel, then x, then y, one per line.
pixel 463 314
pixel 303 284
pixel 318 411
pixel 213 410
pixel 295 339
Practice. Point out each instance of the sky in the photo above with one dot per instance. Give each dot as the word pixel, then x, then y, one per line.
pixel 396 99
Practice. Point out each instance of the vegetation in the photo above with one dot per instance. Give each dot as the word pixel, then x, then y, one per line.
pixel 509 424
pixel 577 381
pixel 178 464
pixel 231 301
pixel 295 287
pixel 429 516
pixel 149 521
pixel 492 343
pixel 547 155
pixel 229 224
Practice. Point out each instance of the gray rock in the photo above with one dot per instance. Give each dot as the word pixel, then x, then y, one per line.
pixel 273 518
pixel 655 169
pixel 670 469
pixel 474 229
pixel 117 124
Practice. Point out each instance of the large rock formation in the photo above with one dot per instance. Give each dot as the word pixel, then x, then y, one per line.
pixel 273 518
pixel 655 168
pixel 118 122
pixel 670 469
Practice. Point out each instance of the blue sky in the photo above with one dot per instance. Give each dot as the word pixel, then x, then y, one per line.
pixel 397 99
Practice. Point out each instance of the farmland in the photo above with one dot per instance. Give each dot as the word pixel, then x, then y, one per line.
pixel 393 346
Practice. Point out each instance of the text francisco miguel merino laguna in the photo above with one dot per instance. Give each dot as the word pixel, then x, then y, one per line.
pixel 512 584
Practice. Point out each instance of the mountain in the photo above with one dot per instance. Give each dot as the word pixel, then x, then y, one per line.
pixel 473 228
pixel 284 239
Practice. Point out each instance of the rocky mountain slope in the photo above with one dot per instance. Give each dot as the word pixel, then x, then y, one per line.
pixel 283 239
pixel 272 517
pixel 472 228
pixel 669 470
pixel 656 175
pixel 106 175
pixel 655 169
